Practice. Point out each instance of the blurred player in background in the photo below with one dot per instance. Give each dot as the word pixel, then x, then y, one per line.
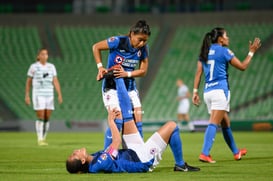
pixel 214 59
pixel 129 51
pixel 42 76
pixel 183 96
pixel 140 156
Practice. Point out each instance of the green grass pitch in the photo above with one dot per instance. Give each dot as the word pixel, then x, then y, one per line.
pixel 22 159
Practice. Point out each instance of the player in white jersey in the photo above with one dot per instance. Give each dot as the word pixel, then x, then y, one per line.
pixel 183 96
pixel 214 59
pixel 42 76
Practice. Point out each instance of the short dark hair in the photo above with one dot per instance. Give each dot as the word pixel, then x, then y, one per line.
pixel 76 166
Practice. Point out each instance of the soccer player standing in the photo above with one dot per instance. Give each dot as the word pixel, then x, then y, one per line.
pixel 42 76
pixel 213 61
pixel 129 51
pixel 183 96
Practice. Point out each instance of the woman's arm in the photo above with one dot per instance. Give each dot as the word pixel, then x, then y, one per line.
pixel 58 89
pixel 96 49
pixel 143 68
pixel 253 47
pixel 116 138
pixel 27 90
pixel 197 79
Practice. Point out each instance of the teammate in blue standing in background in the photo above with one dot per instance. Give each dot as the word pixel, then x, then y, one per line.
pixel 140 156
pixel 214 59
pixel 129 51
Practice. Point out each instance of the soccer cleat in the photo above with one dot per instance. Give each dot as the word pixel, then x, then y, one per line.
pixel 239 155
pixel 42 143
pixel 204 158
pixel 185 168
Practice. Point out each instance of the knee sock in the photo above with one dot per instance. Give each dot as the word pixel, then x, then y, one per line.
pixel 108 134
pixel 39 124
pixel 107 138
pixel 176 147
pixel 209 138
pixel 124 100
pixel 45 129
pixel 227 133
pixel 139 127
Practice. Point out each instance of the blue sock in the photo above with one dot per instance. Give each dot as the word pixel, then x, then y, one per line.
pixel 107 138
pixel 176 147
pixel 108 134
pixel 139 127
pixel 124 100
pixel 227 133
pixel 209 138
pixel 119 123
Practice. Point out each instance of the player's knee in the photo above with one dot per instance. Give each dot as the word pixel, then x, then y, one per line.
pixel 171 124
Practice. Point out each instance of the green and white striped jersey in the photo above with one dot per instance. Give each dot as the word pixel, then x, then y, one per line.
pixel 42 78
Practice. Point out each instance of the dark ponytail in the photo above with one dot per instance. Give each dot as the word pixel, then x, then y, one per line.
pixel 140 27
pixel 210 37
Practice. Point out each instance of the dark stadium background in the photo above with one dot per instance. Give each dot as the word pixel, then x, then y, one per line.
pixel 69 28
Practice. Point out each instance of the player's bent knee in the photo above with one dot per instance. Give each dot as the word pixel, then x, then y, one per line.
pixel 171 124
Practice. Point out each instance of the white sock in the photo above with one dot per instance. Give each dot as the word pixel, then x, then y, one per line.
pixel 39 129
pixel 46 128
pixel 191 126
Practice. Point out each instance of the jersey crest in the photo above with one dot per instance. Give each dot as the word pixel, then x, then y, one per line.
pixel 139 53
pixel 103 156
pixel 111 39
pixel 119 59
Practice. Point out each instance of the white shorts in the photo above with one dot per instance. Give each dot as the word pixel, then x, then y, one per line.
pixel 217 100
pixel 110 99
pixel 43 102
pixel 152 148
pixel 184 106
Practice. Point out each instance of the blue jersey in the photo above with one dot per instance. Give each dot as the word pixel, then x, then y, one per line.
pixel 121 52
pixel 126 161
pixel 216 68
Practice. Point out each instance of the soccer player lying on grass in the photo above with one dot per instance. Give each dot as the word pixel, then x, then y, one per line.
pixel 139 156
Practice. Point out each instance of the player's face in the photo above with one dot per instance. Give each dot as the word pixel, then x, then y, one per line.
pixel 225 39
pixel 138 40
pixel 79 154
pixel 43 56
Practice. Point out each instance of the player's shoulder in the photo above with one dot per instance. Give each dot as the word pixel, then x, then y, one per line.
pixel 117 38
pixel 34 64
pixel 51 65
pixel 227 51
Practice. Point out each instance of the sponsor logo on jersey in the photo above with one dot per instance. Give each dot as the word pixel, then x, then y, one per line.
pixel 211 84
pixel 119 59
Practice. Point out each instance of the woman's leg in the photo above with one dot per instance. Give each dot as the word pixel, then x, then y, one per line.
pixel 210 133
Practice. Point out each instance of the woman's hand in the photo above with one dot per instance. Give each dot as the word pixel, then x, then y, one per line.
pixel 119 72
pixel 27 100
pixel 101 71
pixel 196 99
pixel 253 47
